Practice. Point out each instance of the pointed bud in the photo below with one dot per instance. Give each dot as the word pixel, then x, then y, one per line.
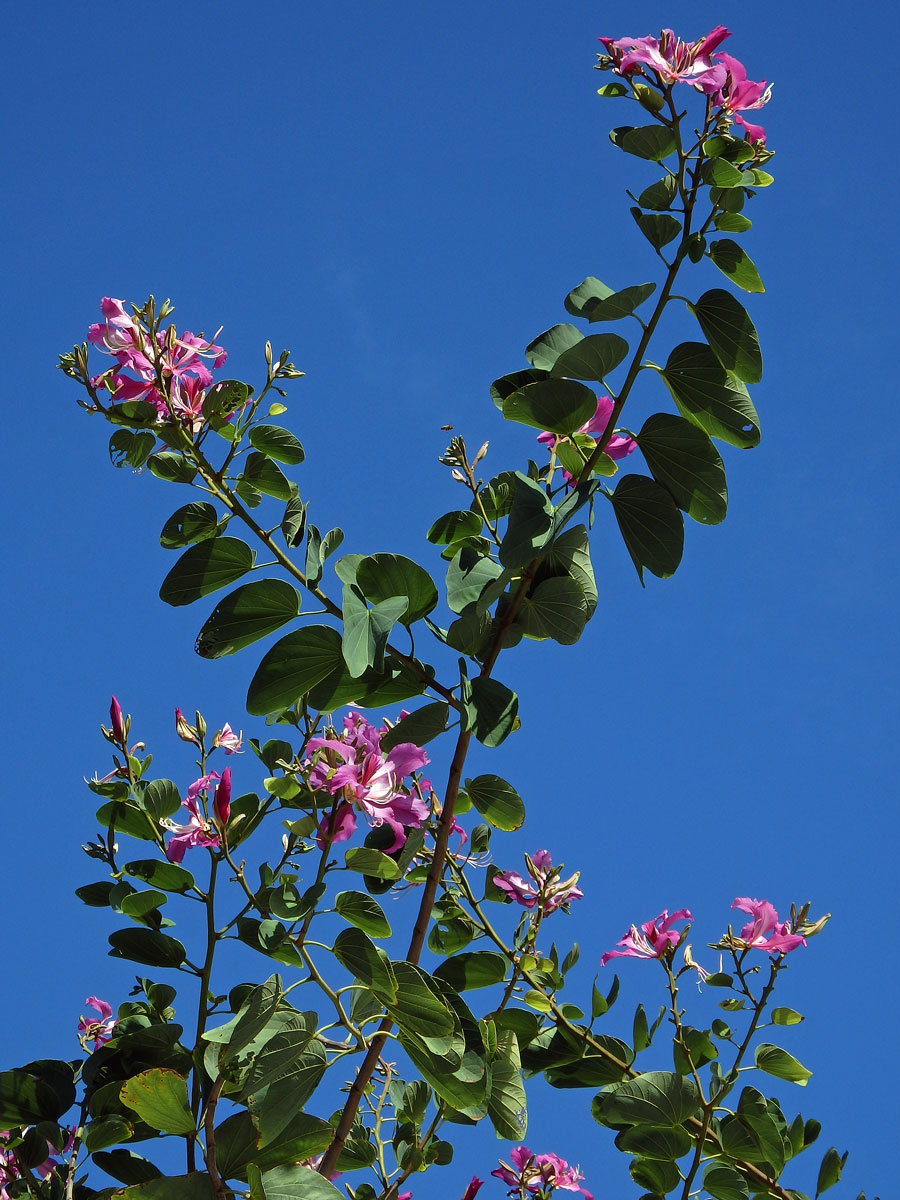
pixel 222 799
pixel 118 724
pixel 184 731
pixel 201 724
pixel 481 453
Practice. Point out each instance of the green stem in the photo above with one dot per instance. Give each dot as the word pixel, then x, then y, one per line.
pixel 203 1007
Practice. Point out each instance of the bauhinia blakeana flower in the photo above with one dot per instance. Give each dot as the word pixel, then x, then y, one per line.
pixel 618 446
pixel 542 1173
pixel 738 94
pixel 653 938
pixel 472 1190
pixel 228 740
pixel 197 831
pixel 97 1029
pixel 673 60
pixel 546 888
pixel 764 931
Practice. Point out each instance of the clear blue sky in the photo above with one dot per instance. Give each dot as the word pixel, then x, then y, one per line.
pixel 403 193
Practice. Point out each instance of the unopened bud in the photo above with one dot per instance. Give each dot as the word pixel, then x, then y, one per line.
pixel 201 724
pixel 480 455
pixel 809 929
pixel 222 799
pixel 117 721
pixel 458 475
pixel 268 353
pixel 184 731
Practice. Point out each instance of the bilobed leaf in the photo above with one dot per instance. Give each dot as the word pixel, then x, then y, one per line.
pixel 277 443
pixel 656 1098
pixel 658 228
pixel 618 304
pixel 546 348
pixel 731 334
pixel 454 526
pixel 786 1016
pixel 662 1144
pixel 580 300
pixel 733 261
pixel 719 172
pixel 593 358
pixel 171 466
pixel 557 405
pixel 131 448
pixel 294 665
pixel 507 384
pixel 125 1166
pixel 490 710
pixel 204 568
pixel 385 576
pixel 160 1098
pixel 709 397
pixel 651 525
pixel 194 522
pixel 364 912
pixel 732 222
pixel 355 951
pixel 293 523
pixel 247 614
pixel 829 1171
pixel 777 1062
pixel 146 946
pixel 262 473
pixel 659 195
pixel 506 1100
pixel 557 609
pixel 368 861
pixel 196 1186
pixel 298 1183
pixel 25 1100
pixel 418 727
pixel 474 969
pixel 134 414
pixel 226 397
pixel 530 523
pixel 497 801
pixel 418 1008
pixel 366 630
pixel 684 460
pixel 725 1183
pixel 654 142
pixel 468 575
pixel 168 876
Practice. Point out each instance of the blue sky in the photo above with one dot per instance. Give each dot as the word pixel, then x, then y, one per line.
pixel 403 194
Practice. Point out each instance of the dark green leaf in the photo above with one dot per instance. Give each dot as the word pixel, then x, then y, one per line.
pixel 384 576
pixel 546 348
pixel 556 608
pixel 146 946
pixel 249 613
pixel 293 523
pixel 613 306
pixel 654 142
pixel 530 523
pixel 131 448
pixel 829 1171
pixel 454 526
pixel 658 228
pixel 261 473
pixel 655 1098
pixel 194 522
pixel 656 1176
pixel 226 397
pixel 26 1100
pixel 297 1183
pixel 777 1062
pixel 506 1099
pixel 476 969
pixel 160 1099
pixel 724 1183
pixel 490 710
pixel 134 414
pixel 497 801
pixel 95 895
pixel 709 397
pixel 662 1144
pixel 277 443
pixel 364 912
pixel 196 1186
pixel 294 665
pixel 171 466
pixel 507 384
pixel 659 195
pixel 468 576
pixel 684 460
pixel 558 405
pixel 730 333
pixel 734 262
pixel 125 1166
pixel 206 567
pixel 650 524
pixel 593 358
pixel 419 727
pixel 418 1008
pixel 362 958
pixel 366 630
pixel 720 173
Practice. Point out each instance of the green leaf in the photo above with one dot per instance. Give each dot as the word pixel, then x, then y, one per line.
pixel 454 527
pixel 829 1171
pixel 165 875
pixel 497 801
pixel 277 443
pixel 655 1098
pixel 131 448
pixel 366 630
pixel 709 397
pixel 659 195
pixel 419 727
pixel 364 912
pixel 656 1176
pixel 731 334
pixel 775 1061
pixel 507 384
pixel 613 89
pixel 171 466
pixel 506 1100
pixel 125 1166
pixel 25 1100
pixel 729 222
pixel 650 524
pixel 490 710
pixel 658 228
pixel 593 358
pixel 475 969
pixel 555 608
pixel 546 348
pixel 146 946
pixel 249 613
pixel 558 405
pixel 194 522
pixel 262 473
pixel 293 523
pixel 297 1183
pixel 733 261
pixel 368 861
pixel 653 142
pixel 418 1008
pixel 598 303
pixel 282 1055
pixel 786 1016
pixel 294 665
pixel 469 575
pixel 385 576
pixel 196 1186
pixel 160 1099
pixel 721 173
pixel 206 567
pixel 226 397
pixel 368 962
pixel 684 460
pixel 724 1183
pixel 660 1144
pixel 134 414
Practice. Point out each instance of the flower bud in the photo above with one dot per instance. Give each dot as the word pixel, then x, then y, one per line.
pixel 118 724
pixel 222 799
pixel 184 731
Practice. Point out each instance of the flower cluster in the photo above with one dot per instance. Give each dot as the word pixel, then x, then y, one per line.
pixel 547 889
pixel 718 75
pixel 652 939
pixel 172 376
pixel 764 931
pixel 354 768
pixel 91 1029
pixel 617 447
pixel 539 1173
pixel 198 830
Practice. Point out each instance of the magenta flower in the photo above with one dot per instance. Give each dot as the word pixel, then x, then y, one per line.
pixel 547 888
pixel 354 767
pixel 472 1190
pixel 222 798
pixel 652 939
pixel 617 447
pixel 738 94
pixel 673 60
pixel 198 831
pixel 539 1173
pixel 764 931
pixel 228 740
pixel 99 1030
pixel 115 717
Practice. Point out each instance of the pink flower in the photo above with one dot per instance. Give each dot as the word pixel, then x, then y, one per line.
pixel 617 447
pixel 539 1173
pixel 548 889
pixel 198 831
pixel 473 1188
pixel 673 60
pixel 368 778
pixel 228 740
pixel 652 939
pixel 765 921
pixel 337 826
pixel 100 1030
pixel 738 94
pixel 222 799
pixel 115 716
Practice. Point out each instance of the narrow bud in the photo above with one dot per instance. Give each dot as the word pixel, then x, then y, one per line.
pixel 222 799
pixel 118 724
pixel 184 731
